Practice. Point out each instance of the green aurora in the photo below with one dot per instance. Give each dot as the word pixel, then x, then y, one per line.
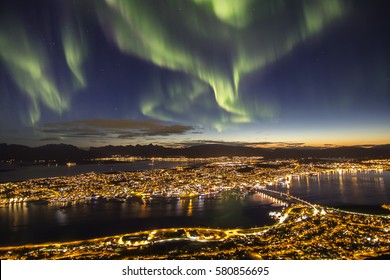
pixel 239 38
pixel 240 42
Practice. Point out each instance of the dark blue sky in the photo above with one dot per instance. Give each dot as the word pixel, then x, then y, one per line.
pixel 293 72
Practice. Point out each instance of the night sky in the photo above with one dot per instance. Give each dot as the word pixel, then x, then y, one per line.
pixel 185 72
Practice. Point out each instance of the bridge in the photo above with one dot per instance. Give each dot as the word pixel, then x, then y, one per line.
pixel 274 198
pixel 281 196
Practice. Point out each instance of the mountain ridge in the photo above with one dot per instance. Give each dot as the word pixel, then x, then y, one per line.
pixel 64 152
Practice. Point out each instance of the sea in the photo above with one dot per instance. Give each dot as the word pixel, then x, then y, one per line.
pixel 362 192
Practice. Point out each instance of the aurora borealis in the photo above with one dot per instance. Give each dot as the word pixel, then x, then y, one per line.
pixel 90 73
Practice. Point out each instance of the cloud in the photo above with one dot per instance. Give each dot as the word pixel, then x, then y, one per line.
pixel 113 128
pixel 244 144
pixel 50 139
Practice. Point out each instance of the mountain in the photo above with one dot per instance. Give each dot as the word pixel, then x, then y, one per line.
pixel 217 150
pixel 62 152
pixel 13 151
pixel 138 150
pixel 337 152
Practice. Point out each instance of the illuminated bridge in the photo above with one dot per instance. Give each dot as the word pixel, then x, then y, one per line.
pixel 274 198
pixel 280 196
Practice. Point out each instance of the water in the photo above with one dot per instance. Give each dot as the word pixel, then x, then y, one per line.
pixel 39 223
pixel 360 191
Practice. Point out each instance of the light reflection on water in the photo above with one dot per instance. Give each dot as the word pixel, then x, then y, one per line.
pixel 38 223
pixel 344 189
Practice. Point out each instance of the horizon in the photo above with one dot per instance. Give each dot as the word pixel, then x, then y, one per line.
pixel 270 145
